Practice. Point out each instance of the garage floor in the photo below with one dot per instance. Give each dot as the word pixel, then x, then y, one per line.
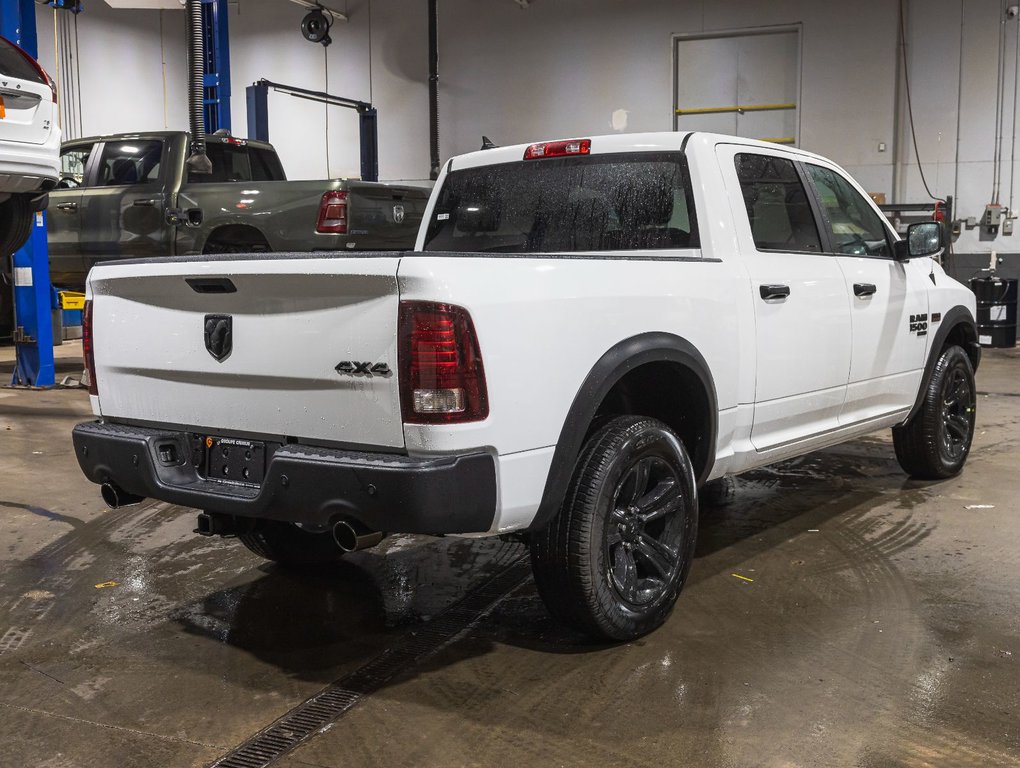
pixel 837 615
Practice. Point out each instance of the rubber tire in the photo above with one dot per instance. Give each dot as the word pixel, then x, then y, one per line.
pixel 16 216
pixel 568 556
pixel 917 443
pixel 288 545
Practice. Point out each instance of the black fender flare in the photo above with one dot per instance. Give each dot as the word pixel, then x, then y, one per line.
pixel 612 367
pixel 954 318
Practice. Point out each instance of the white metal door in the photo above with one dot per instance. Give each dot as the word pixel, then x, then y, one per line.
pixel 889 299
pixel 802 313
pixel 745 83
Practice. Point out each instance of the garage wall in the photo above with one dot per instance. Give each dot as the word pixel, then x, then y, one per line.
pixel 121 55
pixel 564 67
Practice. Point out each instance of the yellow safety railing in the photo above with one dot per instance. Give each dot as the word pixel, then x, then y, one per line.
pixel 740 109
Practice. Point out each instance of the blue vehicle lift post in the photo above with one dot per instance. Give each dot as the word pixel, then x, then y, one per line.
pixel 33 326
pixel 368 118
pixel 217 65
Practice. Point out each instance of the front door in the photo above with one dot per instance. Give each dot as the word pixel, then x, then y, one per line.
pixel 122 212
pixel 63 219
pixel 802 314
pixel 889 300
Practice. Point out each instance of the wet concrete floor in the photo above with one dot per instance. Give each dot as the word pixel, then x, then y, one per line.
pixel 875 625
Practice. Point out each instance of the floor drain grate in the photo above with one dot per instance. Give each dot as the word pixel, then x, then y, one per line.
pixel 340 697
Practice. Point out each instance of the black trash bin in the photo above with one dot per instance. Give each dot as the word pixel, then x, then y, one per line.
pixel 996 311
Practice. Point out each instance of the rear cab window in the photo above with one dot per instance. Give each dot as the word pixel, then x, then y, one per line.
pixel 235 162
pixel 612 202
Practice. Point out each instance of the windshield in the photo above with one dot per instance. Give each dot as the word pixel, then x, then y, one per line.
pixel 636 201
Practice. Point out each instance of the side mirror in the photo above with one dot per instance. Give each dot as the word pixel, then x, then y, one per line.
pixel 923 239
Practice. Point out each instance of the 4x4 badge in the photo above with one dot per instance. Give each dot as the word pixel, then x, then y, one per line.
pixel 354 368
pixel 219 339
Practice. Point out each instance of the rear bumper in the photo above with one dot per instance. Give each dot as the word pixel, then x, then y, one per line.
pixel 30 167
pixel 303 484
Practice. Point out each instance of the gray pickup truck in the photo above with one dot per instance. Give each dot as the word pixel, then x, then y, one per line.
pixel 131 196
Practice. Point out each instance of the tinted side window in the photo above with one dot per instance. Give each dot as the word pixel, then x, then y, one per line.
pixel 129 162
pixel 854 226
pixel 13 64
pixel 72 165
pixel 777 205
pixel 597 203
pixel 234 162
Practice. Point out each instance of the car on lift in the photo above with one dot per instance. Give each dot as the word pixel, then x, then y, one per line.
pixel 29 150
pixel 29 143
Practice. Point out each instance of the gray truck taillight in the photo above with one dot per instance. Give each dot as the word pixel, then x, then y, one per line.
pixel 87 348
pixel 332 214
pixel 442 380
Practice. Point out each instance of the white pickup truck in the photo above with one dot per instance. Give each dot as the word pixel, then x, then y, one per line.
pixel 587 332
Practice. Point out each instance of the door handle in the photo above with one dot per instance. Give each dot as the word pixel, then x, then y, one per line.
pixel 145 203
pixel 865 289
pixel 774 291
pixel 67 206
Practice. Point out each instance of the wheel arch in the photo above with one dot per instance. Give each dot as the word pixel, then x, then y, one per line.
pixel 242 232
pixel 615 383
pixel 957 327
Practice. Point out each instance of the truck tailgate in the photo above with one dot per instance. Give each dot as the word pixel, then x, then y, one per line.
pixel 291 321
pixel 384 215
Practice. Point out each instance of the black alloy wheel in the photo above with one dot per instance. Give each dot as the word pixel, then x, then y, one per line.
pixel 643 561
pixel 957 415
pixel 614 558
pixel 935 443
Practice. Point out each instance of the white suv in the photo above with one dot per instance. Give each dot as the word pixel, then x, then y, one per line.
pixel 29 143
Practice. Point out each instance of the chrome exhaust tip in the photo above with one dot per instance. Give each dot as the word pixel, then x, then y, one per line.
pixel 116 497
pixel 351 536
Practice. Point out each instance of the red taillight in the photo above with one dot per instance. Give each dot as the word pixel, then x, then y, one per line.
pixel 558 149
pixel 37 67
pixel 441 376
pixel 88 351
pixel 333 214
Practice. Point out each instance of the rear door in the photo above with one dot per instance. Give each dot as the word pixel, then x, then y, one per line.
pixel 26 99
pixel 252 347
pixel 889 299
pixel 802 313
pixel 122 209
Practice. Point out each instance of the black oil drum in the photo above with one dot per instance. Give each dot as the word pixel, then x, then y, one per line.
pixel 996 311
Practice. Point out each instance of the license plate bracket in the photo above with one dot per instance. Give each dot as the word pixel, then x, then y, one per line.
pixel 229 460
